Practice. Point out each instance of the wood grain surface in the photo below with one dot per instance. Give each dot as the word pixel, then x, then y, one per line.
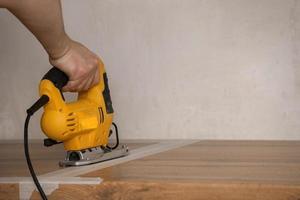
pixel 206 170
pixel 175 191
pixel 9 191
pixel 44 159
pixel 231 161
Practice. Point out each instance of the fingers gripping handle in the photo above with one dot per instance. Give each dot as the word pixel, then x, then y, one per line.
pixel 57 77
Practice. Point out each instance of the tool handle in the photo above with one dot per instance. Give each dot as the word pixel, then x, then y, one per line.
pixel 57 77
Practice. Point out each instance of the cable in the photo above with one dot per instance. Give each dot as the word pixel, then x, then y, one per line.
pixel 33 175
pixel 36 106
pixel 117 137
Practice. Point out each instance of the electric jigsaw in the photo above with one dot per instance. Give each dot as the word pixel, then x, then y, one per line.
pixel 83 126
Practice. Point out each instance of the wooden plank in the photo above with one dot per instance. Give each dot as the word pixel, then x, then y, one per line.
pixel 263 170
pixel 9 191
pixel 44 159
pixel 248 161
pixel 175 191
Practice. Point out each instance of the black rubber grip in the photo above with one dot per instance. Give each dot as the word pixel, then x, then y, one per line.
pixel 38 104
pixel 57 77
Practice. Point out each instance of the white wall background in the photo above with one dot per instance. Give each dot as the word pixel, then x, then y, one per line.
pixel 208 69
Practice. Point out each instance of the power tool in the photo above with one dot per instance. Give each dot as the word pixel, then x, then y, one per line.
pixel 83 126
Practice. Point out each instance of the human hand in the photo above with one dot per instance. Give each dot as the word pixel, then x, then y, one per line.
pixel 80 64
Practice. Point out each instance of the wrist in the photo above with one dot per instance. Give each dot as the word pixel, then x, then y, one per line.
pixel 63 45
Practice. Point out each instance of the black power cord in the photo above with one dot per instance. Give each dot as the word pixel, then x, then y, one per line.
pixel 33 175
pixel 117 137
pixel 37 105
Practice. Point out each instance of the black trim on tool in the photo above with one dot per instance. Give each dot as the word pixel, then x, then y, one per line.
pixel 49 142
pixel 58 78
pixel 106 95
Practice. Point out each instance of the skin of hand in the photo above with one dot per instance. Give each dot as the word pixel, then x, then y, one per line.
pixel 80 64
pixel 44 19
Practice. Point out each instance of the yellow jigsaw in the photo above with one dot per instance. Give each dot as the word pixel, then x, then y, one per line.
pixel 84 126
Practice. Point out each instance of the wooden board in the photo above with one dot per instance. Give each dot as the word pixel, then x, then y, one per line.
pixel 9 191
pixel 174 191
pixel 44 159
pixel 263 170
pixel 268 162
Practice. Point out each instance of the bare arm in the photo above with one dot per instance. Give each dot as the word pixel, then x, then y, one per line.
pixel 44 19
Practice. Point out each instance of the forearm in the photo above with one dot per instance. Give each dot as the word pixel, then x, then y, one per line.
pixel 44 19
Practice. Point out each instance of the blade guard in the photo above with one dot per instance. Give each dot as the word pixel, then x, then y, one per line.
pixel 82 124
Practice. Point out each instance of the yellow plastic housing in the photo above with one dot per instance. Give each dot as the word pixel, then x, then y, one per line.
pixel 79 125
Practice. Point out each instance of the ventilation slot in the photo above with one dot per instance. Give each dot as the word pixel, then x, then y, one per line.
pixel 71 122
pixel 101 115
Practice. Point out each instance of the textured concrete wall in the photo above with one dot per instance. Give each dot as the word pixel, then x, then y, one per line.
pixel 209 69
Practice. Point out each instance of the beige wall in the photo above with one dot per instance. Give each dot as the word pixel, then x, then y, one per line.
pixel 209 69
